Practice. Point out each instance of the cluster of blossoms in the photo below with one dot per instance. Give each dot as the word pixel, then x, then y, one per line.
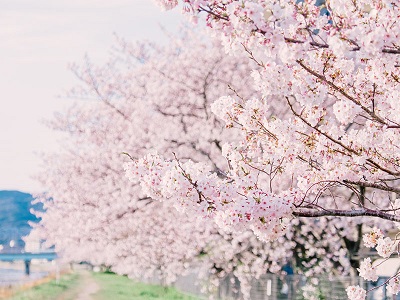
pixel 323 138
pixel 328 77
pixel 371 239
pixel 393 286
pixel 167 4
pixel 385 248
pixel 356 293
pixel 195 189
pixel 367 271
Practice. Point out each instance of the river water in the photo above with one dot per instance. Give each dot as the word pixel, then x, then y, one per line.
pixel 13 273
pixel 16 277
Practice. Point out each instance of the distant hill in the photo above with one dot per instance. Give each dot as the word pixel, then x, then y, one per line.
pixel 15 214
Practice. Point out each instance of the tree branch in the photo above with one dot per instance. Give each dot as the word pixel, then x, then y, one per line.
pixel 320 131
pixel 341 91
pixel 346 213
pixel 373 185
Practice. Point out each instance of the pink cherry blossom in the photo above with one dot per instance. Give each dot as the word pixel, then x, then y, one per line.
pixel 367 271
pixel 385 247
pixel 371 238
pixel 393 287
pixel 356 293
pixel 167 4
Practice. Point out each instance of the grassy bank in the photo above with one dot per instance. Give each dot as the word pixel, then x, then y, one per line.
pixel 49 290
pixel 110 286
pixel 122 288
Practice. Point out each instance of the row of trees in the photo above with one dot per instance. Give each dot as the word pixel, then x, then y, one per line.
pixel 286 138
pixel 334 67
pixel 147 97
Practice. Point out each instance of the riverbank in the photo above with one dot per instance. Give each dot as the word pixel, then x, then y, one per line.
pixel 49 288
pixel 13 273
pixel 13 277
pixel 85 285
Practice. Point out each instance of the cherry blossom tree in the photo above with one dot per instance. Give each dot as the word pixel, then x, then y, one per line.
pixel 93 214
pixel 146 98
pixel 335 67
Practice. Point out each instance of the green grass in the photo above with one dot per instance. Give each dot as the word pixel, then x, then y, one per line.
pixel 50 290
pixel 111 286
pixel 122 288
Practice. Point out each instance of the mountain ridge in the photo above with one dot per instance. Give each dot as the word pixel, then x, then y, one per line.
pixel 15 213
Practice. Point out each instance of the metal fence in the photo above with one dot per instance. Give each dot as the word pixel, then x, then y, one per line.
pixel 294 287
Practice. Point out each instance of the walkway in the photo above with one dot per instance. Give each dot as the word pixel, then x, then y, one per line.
pixel 84 291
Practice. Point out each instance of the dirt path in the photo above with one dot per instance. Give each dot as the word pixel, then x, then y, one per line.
pixel 89 287
pixel 84 291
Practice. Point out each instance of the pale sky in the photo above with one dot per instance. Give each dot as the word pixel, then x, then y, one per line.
pixel 38 40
